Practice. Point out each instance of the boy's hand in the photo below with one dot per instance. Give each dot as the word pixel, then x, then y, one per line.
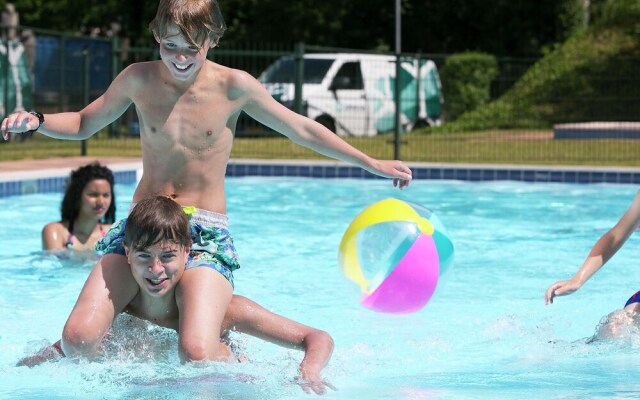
pixel 18 122
pixel 395 169
pixel 313 382
pixel 560 288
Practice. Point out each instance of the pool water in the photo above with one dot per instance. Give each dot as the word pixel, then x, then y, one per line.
pixel 485 333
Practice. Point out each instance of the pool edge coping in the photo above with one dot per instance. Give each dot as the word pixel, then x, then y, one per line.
pixel 19 182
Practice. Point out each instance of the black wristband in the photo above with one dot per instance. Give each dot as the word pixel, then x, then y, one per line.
pixel 40 120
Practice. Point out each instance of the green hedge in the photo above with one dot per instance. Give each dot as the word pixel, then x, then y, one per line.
pixel 466 80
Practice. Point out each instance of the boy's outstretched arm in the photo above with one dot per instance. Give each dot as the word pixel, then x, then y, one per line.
pixel 259 104
pixel 77 125
pixel 248 317
pixel 601 252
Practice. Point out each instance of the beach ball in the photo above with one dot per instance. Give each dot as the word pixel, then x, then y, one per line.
pixel 395 251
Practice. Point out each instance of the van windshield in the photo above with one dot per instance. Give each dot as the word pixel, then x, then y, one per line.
pixel 283 70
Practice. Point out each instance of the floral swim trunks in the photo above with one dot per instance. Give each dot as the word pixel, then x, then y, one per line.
pixel 212 243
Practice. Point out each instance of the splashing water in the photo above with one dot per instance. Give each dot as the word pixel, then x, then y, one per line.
pixel 484 334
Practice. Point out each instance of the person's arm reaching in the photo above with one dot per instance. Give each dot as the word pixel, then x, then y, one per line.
pixel 601 252
pixel 308 133
pixel 249 317
pixel 77 125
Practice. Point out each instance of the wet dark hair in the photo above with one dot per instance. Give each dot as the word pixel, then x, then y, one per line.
pixel 196 20
pixel 154 220
pixel 76 183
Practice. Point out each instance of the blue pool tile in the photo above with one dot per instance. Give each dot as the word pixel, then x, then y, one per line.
pixel 570 177
pixel 448 173
pixel 502 175
pixel 343 172
pixel 611 177
pixel 434 173
pixel 420 173
pixel 474 175
pixel 231 170
pixel 43 185
pixel 488 174
pixel 304 171
pixel 29 187
pixel 317 171
pixel 14 188
pixel 330 172
pixel 625 177
pixel 528 176
pixel 369 175
pixel 358 173
pixel 584 177
pixel 515 174
pixel 597 177
pixel 252 169
pixel 291 170
pixel 556 176
pixel 461 174
pixel 265 170
pixel 277 170
pixel 542 176
pixel 240 170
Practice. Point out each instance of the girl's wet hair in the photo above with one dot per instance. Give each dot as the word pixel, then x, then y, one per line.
pixel 79 178
pixel 154 220
pixel 197 20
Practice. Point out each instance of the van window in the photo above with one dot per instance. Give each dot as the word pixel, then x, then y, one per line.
pixel 283 70
pixel 349 76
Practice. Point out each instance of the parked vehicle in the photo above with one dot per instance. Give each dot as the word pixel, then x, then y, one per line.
pixel 352 94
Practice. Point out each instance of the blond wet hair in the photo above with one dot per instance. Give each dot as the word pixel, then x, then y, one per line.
pixel 197 20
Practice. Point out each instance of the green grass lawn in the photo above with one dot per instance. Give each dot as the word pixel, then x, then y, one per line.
pixel 490 147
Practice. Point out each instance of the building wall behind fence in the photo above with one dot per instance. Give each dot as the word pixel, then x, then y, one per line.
pixel 60 84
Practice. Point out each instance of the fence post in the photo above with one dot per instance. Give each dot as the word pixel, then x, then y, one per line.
pixel 63 67
pixel 85 89
pixel 6 66
pixel 396 95
pixel 299 79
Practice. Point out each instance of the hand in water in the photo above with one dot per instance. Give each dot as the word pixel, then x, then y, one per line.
pixel 315 384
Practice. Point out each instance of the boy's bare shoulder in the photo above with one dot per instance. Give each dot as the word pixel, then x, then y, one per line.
pixel 233 78
pixel 238 83
pixel 141 72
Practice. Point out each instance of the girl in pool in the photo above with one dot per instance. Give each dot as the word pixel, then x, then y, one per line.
pixel 601 252
pixel 88 209
pixel 157 244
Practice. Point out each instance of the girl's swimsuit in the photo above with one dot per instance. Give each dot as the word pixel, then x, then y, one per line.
pixel 212 243
pixel 71 237
pixel 633 299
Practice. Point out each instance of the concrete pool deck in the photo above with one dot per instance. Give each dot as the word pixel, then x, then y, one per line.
pixel 49 175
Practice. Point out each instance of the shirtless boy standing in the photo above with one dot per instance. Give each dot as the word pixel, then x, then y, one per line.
pixel 187 107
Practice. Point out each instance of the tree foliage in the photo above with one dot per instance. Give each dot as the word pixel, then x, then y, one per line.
pixel 500 27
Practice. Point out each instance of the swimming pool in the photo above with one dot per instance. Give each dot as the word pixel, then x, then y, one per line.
pixel 485 334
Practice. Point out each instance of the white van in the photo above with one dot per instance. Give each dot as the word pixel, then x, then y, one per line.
pixel 353 94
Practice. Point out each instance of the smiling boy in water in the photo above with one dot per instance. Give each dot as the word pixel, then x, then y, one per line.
pixel 188 108
pixel 157 242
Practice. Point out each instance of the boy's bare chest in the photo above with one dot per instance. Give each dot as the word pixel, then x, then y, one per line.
pixel 198 115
